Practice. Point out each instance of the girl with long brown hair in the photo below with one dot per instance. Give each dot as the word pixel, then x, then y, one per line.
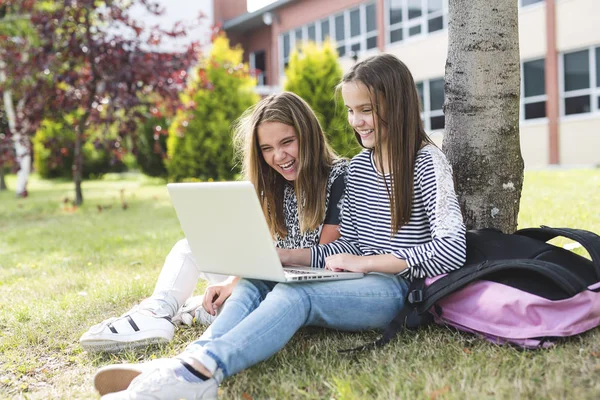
pixel 300 183
pixel 400 220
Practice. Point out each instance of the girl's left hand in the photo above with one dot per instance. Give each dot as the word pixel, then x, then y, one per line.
pixel 346 262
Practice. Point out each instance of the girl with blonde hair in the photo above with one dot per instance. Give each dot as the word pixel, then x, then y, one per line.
pixel 300 183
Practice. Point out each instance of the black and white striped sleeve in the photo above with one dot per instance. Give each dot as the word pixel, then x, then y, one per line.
pixel 447 249
pixel 348 243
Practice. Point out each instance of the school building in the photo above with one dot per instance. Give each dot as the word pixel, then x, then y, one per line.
pixel 559 46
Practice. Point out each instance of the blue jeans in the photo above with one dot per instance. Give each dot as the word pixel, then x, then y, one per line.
pixel 260 317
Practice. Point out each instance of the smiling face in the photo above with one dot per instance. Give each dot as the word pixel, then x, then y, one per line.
pixel 278 144
pixel 361 115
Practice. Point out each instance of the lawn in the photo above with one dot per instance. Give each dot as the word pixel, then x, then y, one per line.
pixel 64 269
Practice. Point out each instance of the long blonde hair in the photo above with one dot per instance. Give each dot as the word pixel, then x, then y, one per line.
pixel 395 102
pixel 315 158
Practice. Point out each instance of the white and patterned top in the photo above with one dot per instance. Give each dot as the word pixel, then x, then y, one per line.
pixel 433 242
pixel 336 184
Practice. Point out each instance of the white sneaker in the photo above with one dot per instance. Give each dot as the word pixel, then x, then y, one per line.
pixel 117 377
pixel 203 317
pixel 163 384
pixel 192 312
pixel 135 328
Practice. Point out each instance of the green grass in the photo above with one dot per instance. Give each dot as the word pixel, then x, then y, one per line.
pixel 62 270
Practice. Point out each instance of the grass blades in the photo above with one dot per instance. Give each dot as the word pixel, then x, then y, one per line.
pixel 63 269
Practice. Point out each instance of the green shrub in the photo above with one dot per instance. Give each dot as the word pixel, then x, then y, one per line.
pixel 312 73
pixel 219 90
pixel 53 146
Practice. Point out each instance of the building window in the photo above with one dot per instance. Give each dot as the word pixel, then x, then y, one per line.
pixel 353 32
pixel 258 66
pixel 578 88
pixel 407 18
pixel 340 34
pixel 286 49
pixel 325 29
pixel 533 89
pixel 431 94
pixel 312 33
pixel 524 3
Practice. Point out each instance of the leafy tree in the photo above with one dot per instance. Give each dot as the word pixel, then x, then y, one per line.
pixel 482 111
pixel 59 136
pixel 220 89
pixel 313 73
pixel 92 58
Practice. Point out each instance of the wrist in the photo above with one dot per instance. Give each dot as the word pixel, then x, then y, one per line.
pixel 367 263
pixel 285 256
pixel 229 280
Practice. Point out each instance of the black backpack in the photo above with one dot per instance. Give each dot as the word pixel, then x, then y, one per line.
pixel 514 288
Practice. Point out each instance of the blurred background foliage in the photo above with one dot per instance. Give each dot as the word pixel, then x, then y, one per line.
pixel 186 136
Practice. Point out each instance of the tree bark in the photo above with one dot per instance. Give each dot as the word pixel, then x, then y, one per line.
pixel 2 181
pixel 22 142
pixel 78 158
pixel 482 88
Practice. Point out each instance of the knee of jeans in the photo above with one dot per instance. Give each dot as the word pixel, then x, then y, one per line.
pixel 291 293
pixel 245 291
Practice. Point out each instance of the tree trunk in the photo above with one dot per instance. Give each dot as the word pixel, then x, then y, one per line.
pixel 78 159
pixel 2 181
pixel 2 79
pixel 21 141
pixel 482 111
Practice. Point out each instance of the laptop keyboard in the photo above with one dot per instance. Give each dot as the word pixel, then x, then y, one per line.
pixel 300 271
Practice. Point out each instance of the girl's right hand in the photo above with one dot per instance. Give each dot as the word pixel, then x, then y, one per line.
pixel 215 295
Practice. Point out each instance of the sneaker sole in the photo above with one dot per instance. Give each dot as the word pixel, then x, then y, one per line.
pixel 115 378
pixel 111 346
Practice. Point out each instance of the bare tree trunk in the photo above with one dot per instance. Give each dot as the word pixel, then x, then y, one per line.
pixel 22 143
pixel 2 181
pixel 482 111
pixel 78 158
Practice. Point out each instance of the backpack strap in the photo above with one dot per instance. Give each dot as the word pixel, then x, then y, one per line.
pixel 560 276
pixel 589 240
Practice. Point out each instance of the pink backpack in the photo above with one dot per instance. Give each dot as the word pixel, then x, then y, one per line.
pixel 514 289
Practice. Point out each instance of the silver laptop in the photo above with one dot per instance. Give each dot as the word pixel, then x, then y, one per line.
pixel 228 234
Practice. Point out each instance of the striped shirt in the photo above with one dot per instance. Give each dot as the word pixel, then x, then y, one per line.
pixel 433 242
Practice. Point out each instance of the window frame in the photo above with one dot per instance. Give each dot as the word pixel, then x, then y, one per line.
pixel 427 113
pixel 262 76
pixel 536 4
pixel 532 99
pixel 593 89
pixel 422 21
pixel 361 39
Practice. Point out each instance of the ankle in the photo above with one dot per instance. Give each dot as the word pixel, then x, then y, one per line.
pixel 160 308
pixel 198 366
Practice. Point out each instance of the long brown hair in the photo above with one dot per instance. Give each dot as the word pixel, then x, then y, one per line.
pixel 395 102
pixel 315 158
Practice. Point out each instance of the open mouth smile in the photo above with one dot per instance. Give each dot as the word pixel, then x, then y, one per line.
pixel 287 166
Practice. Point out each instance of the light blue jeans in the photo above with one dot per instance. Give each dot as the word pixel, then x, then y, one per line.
pixel 260 317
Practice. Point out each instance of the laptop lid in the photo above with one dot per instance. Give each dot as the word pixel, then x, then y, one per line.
pixel 226 229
